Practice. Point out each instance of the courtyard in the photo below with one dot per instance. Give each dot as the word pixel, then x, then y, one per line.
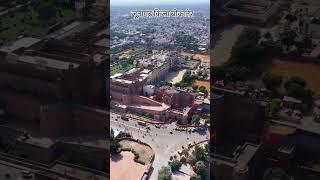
pixel 123 166
pixel 26 21
pixel 145 152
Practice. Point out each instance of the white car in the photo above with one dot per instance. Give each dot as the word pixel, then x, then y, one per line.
pixel 26 174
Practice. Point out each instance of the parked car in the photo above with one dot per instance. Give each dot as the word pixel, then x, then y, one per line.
pixel 26 174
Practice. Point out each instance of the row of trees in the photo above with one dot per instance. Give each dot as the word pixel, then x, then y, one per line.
pixel 246 54
pixel 200 88
pixel 115 146
pixel 187 80
pixel 295 86
pixel 250 50
pixel 197 159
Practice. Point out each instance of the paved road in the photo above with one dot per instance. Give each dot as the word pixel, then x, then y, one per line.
pixel 163 143
pixel 11 172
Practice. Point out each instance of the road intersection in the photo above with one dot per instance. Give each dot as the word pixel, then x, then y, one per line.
pixel 163 143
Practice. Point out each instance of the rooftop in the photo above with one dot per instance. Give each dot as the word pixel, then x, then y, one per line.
pixel 260 10
pixel 292 99
pixel 241 157
pixel 44 62
pixel 281 129
pixel 246 153
pixel 131 76
pixel 43 142
pixel 23 42
pixel 78 172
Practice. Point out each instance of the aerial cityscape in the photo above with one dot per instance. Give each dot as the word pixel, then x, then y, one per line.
pixel 265 90
pixel 53 117
pixel 159 91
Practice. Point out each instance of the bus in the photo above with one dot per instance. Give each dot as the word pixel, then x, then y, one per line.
pixel 142 123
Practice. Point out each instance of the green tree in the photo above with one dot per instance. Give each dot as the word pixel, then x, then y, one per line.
pixel 297 80
pixel 175 165
pixel 115 147
pixel 192 159
pixel 267 36
pixel 291 18
pixel 111 134
pixel 307 43
pixel 185 152
pixel 195 177
pixel 271 81
pixel 276 106
pixel 295 90
pixel 251 34
pixel 187 78
pixel 275 174
pixel 202 89
pixel 295 87
pixel 46 9
pixel 163 83
pixel 195 119
pixel 219 72
pixel 238 73
pixel 308 96
pixel 288 38
pixel 200 73
pixel 246 51
pixel 195 87
pixel 178 84
pixel 199 153
pixel 206 147
pixel 200 168
pixel 164 173
pixel 89 7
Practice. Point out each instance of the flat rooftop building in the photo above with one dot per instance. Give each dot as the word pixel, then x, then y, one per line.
pixel 254 11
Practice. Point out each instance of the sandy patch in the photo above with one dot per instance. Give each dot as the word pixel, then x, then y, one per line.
pixel 176 76
pixel 122 166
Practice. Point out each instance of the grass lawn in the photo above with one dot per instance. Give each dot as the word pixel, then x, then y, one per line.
pixel 27 23
pixel 118 68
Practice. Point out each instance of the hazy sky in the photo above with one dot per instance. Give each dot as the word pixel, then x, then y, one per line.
pixel 156 2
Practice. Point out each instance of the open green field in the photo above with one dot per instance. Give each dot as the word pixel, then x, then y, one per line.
pixel 15 24
pixel 120 68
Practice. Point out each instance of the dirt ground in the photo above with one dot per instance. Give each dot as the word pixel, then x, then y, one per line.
pixel 312 2
pixel 309 72
pixel 203 83
pixel 203 58
pixel 122 166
